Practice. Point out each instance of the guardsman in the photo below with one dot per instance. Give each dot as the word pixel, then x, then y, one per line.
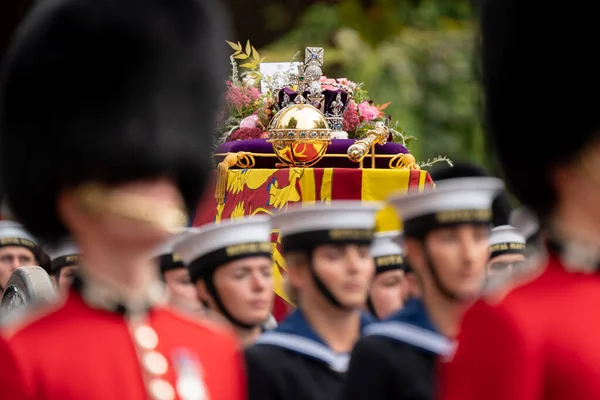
pixel 446 233
pixel 182 292
pixel 17 248
pixel 124 95
pixel 507 250
pixel 11 380
pixel 330 268
pixel 536 336
pixel 389 289
pixel 231 265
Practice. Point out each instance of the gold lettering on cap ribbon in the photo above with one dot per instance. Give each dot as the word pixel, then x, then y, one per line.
pixel 248 248
pixel 351 234
pixel 446 217
pixel 72 259
pixel 506 247
pixel 177 257
pixel 16 242
pixel 386 261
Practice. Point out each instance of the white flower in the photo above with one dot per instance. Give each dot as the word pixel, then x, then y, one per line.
pixel 249 81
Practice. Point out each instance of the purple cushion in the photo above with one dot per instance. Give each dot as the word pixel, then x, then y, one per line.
pixel 337 146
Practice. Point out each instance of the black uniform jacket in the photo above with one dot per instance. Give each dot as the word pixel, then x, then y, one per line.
pixel 293 363
pixel 396 358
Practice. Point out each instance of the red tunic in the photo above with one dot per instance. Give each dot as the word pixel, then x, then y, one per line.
pixel 539 341
pixel 76 352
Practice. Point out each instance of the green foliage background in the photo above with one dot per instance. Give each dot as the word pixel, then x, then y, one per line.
pixel 417 54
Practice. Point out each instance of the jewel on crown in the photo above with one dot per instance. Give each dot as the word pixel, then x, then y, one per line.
pixel 327 95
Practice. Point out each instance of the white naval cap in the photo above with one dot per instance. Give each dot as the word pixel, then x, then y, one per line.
pixel 167 257
pixel 64 248
pixel 308 225
pixel 64 253
pixel 386 244
pixel 168 247
pixel 216 244
pixel 525 221
pixel 506 239
pixel 451 202
pixel 386 251
pixel 14 234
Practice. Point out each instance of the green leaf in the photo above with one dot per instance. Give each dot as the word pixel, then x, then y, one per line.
pixel 247 65
pixel 234 45
pixel 248 48
pixel 255 55
pixel 241 57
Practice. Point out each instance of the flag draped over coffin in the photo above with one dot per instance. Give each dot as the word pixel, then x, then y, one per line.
pixel 264 191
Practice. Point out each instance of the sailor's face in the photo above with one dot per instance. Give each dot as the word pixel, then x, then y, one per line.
pixel 246 288
pixel 66 277
pixel 504 263
pixel 346 270
pixel 459 256
pixel 388 291
pixel 11 258
pixel 181 289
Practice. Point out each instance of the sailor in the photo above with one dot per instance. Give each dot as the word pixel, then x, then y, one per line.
pixel 507 250
pixel 528 226
pixel 536 336
pixel 446 242
pixel 181 290
pixel 389 289
pixel 329 265
pixel 17 248
pixel 230 264
pixel 106 109
pixel 64 264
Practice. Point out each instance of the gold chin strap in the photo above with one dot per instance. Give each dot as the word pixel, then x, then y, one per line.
pixel 101 199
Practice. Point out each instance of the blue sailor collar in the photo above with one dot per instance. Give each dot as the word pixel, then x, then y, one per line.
pixel 411 325
pixel 296 334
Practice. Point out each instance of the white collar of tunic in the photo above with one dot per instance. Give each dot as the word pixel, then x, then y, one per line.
pixel 336 361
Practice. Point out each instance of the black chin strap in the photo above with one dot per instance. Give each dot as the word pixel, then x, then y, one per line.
pixel 321 285
pixel 212 290
pixel 447 293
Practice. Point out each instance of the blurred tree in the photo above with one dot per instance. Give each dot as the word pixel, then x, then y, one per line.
pixel 417 54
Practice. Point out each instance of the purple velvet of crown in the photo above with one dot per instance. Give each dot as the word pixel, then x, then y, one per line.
pixel 331 102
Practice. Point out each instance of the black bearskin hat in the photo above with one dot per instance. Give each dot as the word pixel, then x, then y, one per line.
pixel 541 89
pixel 109 91
pixel 501 205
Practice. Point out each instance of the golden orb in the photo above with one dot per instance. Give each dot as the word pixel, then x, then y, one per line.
pixel 300 135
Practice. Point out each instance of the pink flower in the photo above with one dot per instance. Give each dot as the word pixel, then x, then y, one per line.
pixel 367 112
pixel 239 96
pixel 327 83
pixel 346 82
pixel 351 119
pixel 249 122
